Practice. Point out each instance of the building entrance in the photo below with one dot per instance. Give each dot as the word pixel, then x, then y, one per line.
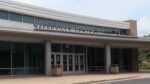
pixel 70 63
pixel 67 63
pixel 70 57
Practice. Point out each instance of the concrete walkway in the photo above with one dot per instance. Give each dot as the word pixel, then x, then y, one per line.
pixel 73 79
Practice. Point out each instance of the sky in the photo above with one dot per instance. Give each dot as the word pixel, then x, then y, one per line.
pixel 119 10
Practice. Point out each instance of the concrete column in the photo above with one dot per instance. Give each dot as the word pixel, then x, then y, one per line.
pixel 134 60
pixel 108 58
pixel 48 58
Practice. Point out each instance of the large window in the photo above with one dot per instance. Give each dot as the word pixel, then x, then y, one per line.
pixel 40 21
pixel 3 15
pixel 71 26
pixel 121 57
pixel 61 24
pixel 51 23
pixel 80 28
pixel 15 17
pixel 18 58
pixel 21 58
pixel 5 58
pixel 67 48
pixel 34 58
pixel 28 19
pixel 96 59
pixel 123 32
pixel 79 49
pixel 56 47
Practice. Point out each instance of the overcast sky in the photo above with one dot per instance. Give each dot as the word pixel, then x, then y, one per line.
pixel 119 10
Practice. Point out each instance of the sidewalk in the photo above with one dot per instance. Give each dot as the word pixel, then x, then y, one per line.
pixel 73 79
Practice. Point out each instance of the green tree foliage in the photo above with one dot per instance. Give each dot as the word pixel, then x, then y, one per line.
pixel 144 57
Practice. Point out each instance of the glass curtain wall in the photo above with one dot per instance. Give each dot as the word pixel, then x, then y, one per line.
pixel 121 57
pixel 96 60
pixel 17 58
pixel 21 58
pixel 5 58
pixel 34 58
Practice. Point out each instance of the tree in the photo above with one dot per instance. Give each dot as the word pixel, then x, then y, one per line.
pixel 144 57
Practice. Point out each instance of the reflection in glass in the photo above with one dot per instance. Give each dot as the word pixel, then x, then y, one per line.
pixel 5 54
pixel 5 58
pixel 34 58
pixel 28 19
pixel 76 62
pixel 57 59
pixel 70 63
pixel 67 48
pixel 64 62
pixel 15 17
pixel 56 47
pixel 52 59
pixel 3 15
pixel 18 58
pixel 40 21
pixel 81 63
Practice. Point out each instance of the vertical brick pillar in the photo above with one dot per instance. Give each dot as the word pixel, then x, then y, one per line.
pixel 134 60
pixel 133 27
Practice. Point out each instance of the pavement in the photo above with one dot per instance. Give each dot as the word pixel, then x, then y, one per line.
pixel 133 81
pixel 80 79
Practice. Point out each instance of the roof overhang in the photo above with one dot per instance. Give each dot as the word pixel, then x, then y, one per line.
pixel 61 36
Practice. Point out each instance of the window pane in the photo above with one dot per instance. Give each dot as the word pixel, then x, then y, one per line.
pixel 18 55
pixel 123 32
pixel 80 28
pixel 56 47
pixel 79 49
pixel 115 31
pixel 71 26
pixel 34 58
pixel 51 23
pixel 89 28
pixel 61 24
pixel 58 59
pixel 15 17
pixel 64 62
pixel 67 48
pixel 28 19
pixel 95 30
pixel 5 54
pixel 5 58
pixel 40 21
pixel 3 15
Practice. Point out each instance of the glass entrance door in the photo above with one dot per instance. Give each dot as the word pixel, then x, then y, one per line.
pixel 56 60
pixel 70 63
pixel 79 63
pixel 67 63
